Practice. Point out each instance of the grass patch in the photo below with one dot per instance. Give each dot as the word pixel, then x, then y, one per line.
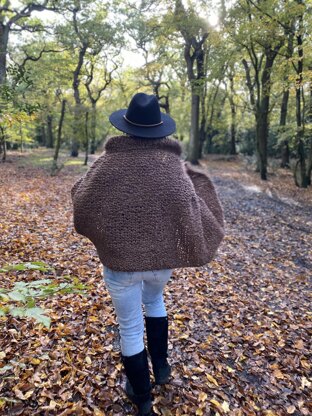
pixel 43 158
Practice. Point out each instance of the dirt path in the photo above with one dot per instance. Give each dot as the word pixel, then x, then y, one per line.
pixel 239 327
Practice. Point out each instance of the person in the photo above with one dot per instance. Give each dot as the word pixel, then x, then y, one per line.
pixel 147 212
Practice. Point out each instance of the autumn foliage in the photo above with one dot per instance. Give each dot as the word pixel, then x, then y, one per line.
pixel 239 340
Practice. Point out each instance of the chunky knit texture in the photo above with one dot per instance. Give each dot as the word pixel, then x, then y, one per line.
pixel 145 209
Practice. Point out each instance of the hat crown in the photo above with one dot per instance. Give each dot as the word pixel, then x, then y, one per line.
pixel 143 110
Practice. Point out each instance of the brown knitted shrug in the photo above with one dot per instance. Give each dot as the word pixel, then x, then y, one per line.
pixel 145 209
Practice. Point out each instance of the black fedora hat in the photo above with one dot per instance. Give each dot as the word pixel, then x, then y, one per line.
pixel 143 118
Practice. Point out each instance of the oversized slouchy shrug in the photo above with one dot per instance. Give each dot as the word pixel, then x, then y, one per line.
pixel 145 209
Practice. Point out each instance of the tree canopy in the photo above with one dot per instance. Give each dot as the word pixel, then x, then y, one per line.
pixel 240 83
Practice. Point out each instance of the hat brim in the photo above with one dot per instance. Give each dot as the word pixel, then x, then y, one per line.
pixel 167 127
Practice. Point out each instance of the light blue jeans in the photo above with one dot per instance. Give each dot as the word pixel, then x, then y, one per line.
pixel 128 291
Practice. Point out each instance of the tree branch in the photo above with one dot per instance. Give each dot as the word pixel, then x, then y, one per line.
pixel 27 10
pixel 287 28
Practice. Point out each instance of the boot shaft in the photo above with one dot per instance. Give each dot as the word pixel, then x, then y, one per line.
pixel 137 372
pixel 157 339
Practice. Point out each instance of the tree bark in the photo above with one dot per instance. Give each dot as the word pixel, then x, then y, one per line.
pixel 301 178
pixel 261 104
pixel 58 138
pixel 2 144
pixel 50 138
pixel 93 129
pixel 21 136
pixel 86 139
pixel 78 124
pixel 233 116
pixel 194 56
pixel 285 147
pixel 194 146
pixel 4 39
pixel 263 112
pixel 309 168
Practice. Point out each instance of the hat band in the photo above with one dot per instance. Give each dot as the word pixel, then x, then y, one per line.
pixel 143 125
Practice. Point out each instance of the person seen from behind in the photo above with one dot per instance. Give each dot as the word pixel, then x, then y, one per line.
pixel 147 212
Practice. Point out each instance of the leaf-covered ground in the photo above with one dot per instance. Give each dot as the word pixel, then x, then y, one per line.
pixel 240 328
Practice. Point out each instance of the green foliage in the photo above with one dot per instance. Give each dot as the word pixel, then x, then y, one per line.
pixel 12 99
pixel 158 30
pixel 20 301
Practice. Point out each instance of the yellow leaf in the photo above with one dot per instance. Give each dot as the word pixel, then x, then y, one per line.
pixel 199 412
pixel 178 316
pixel 305 364
pixel 52 404
pixel 28 394
pixel 215 402
pixel 278 374
pixel 202 397
pixel 291 409
pixel 269 413
pixel 212 380
pixel 299 344
pixel 2 354
pixel 88 360
pixel 230 370
pixel 225 406
pixel 35 361
pixel 93 318
pixel 305 382
pixel 98 412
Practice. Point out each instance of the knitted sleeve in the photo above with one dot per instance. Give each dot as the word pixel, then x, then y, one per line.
pixel 205 190
pixel 210 207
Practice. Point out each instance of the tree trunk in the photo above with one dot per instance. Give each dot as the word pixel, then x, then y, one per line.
pixel 50 138
pixel 4 38
pixel 93 129
pixel 309 167
pixel 194 55
pixel 22 137
pixel 194 146
pixel 77 128
pixel 2 144
pixel 284 107
pixel 202 135
pixel 58 138
pixel 86 139
pixel 262 128
pixel 262 139
pixel 300 169
pixel 301 178
pixel 283 117
pixel 233 117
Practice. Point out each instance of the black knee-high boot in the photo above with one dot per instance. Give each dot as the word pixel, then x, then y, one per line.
pixel 138 387
pixel 157 341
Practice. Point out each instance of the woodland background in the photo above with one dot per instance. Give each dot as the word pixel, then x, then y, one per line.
pixel 237 78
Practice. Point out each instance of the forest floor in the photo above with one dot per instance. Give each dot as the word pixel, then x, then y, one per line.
pixel 239 327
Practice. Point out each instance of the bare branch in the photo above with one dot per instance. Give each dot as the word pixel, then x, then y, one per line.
pixel 36 58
